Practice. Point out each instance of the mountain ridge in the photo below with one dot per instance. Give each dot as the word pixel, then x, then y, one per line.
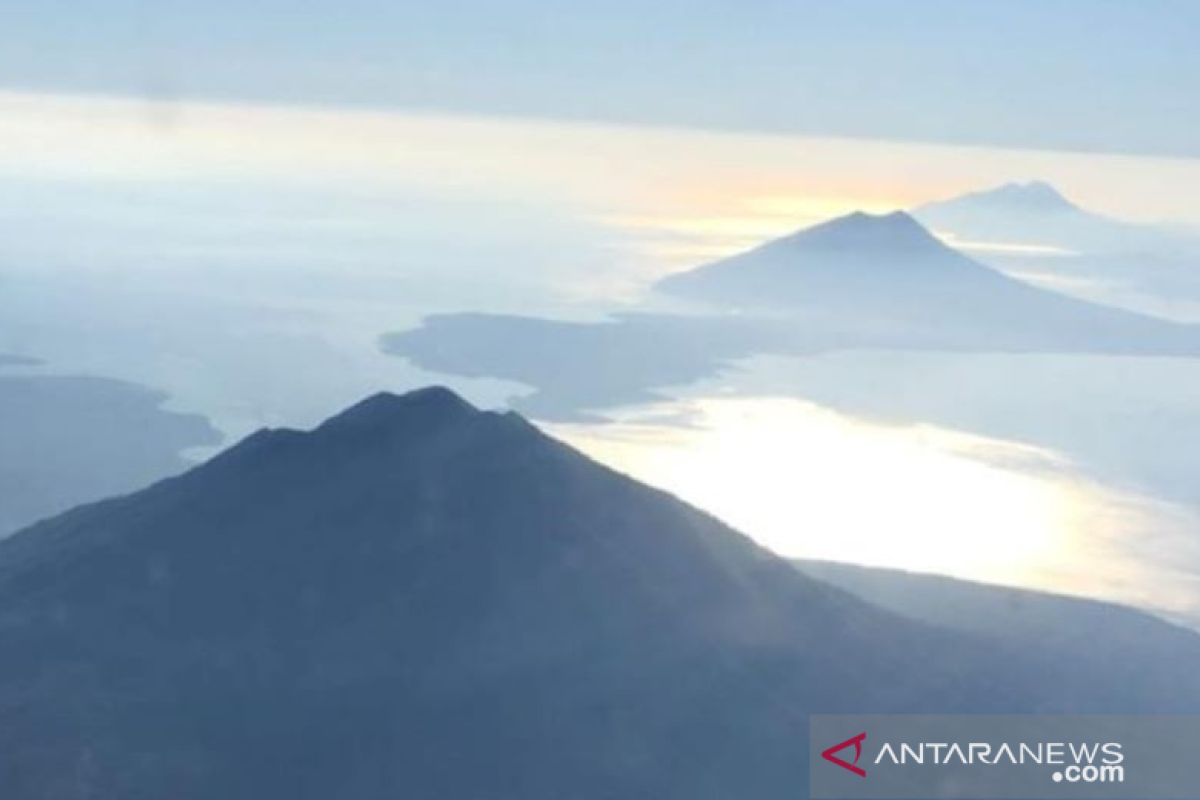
pixel 1034 196
pixel 892 229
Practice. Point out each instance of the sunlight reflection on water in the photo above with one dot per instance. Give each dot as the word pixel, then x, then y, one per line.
pixel 810 482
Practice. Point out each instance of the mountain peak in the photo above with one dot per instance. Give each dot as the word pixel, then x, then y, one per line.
pixel 864 260
pixel 429 406
pixel 1030 196
pixel 891 231
pixel 1035 194
pixel 383 416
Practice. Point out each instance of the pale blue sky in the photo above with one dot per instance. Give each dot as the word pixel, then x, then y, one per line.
pixel 1074 74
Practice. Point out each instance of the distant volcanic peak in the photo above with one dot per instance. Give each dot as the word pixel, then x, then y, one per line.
pixel 1033 195
pixel 798 268
pixel 428 407
pixel 860 230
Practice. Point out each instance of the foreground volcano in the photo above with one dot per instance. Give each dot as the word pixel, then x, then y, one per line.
pixel 418 599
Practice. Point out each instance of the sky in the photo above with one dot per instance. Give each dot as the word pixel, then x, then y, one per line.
pixel 167 184
pixel 1084 75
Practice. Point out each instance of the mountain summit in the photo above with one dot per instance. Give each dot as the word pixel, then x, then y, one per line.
pixel 1032 197
pixel 421 599
pixel 385 412
pixel 858 258
pixel 886 232
pixel 1037 213
pixel 887 281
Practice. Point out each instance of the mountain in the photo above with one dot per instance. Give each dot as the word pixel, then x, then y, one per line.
pixel 1034 213
pixel 419 599
pixel 1031 229
pixel 1066 633
pixel 860 282
pixel 855 258
pixel 885 281
pixel 1032 198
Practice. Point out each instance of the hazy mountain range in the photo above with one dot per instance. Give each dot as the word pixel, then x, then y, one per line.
pixel 856 282
pixel 418 598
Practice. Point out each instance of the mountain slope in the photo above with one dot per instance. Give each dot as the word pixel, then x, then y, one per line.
pixel 1122 263
pixel 1066 633
pixel 886 281
pixel 857 258
pixel 420 599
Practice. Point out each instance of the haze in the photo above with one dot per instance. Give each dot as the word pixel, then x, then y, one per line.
pixel 247 247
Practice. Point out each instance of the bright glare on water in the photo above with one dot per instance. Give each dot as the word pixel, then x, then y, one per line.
pixel 806 481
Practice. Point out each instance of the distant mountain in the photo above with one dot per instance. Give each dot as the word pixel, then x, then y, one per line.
pixel 853 283
pixel 1030 229
pixel 858 258
pixel 418 599
pixel 885 281
pixel 1032 197
pixel 1036 213
pixel 1067 633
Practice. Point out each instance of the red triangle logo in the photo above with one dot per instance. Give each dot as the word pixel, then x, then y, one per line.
pixel 856 742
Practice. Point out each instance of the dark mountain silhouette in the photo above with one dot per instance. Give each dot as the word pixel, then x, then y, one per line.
pixel 886 281
pixel 418 599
